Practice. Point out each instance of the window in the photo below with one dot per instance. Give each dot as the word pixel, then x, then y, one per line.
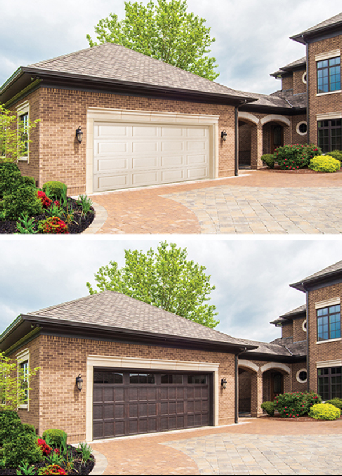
pixel 171 378
pixel 330 383
pixel 302 376
pixel 104 376
pixel 23 120
pixel 141 378
pixel 304 77
pixel 329 135
pixel 329 75
pixel 329 323
pixel 23 372
pixel 302 128
pixel 197 379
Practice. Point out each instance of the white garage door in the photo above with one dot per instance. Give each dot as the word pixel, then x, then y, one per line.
pixel 136 155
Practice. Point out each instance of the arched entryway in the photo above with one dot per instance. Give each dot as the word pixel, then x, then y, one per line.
pixel 273 137
pixel 245 144
pixel 273 384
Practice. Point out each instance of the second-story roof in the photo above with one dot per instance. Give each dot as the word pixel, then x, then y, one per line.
pixel 330 24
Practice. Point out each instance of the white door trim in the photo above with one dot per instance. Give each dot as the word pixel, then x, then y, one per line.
pixel 153 364
pixel 149 117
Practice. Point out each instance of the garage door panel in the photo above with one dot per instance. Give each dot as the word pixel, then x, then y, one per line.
pixel 144 131
pixel 108 394
pixel 133 427
pixel 145 162
pixel 108 131
pixel 97 412
pixel 133 410
pixel 172 175
pixel 152 409
pixel 143 178
pixel 119 395
pixel 198 159
pixel 108 411
pixel 173 132
pixel 109 148
pixel 119 411
pixel 172 146
pixel 194 146
pixel 110 182
pixel 108 428
pixel 98 394
pixel 177 160
pixel 144 147
pixel 109 165
pixel 197 132
pixel 197 173
pixel 119 428
pixel 98 430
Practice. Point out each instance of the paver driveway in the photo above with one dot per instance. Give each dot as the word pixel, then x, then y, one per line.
pixel 257 446
pixel 255 202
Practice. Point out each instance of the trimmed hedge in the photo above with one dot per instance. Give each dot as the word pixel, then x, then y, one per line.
pixel 268 159
pixel 336 154
pixel 337 402
pixel 55 437
pixel 268 407
pixel 324 411
pixel 55 188
pixel 324 163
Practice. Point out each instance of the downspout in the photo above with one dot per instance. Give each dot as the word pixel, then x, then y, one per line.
pixel 307 341
pixel 307 94
pixel 236 420
pixel 237 137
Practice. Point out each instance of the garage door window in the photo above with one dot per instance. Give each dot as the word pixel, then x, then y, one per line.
pixel 107 377
pixel 197 379
pixel 171 378
pixel 141 378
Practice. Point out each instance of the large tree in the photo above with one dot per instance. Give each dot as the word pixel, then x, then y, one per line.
pixel 165 31
pixel 165 278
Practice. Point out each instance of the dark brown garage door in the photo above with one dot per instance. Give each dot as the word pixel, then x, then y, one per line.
pixel 127 403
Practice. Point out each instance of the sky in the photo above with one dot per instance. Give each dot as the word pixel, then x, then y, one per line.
pixel 251 276
pixel 252 36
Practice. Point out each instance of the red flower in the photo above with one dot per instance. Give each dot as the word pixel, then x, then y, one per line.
pixel 46 201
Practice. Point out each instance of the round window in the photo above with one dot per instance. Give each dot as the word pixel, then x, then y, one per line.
pixel 304 326
pixel 302 376
pixel 302 128
pixel 304 78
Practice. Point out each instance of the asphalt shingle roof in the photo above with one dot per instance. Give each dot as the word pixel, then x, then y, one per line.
pixel 110 309
pixel 326 272
pixel 290 66
pixel 116 62
pixel 330 22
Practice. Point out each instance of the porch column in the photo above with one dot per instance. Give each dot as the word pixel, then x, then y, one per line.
pixel 287 383
pixel 256 394
pixel 256 145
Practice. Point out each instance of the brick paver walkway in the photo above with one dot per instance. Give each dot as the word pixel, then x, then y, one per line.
pixel 255 202
pixel 257 446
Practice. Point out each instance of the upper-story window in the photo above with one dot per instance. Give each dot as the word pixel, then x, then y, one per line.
pixel 329 323
pixel 329 75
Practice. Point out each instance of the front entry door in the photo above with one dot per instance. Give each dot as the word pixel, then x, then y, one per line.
pixel 277 384
pixel 277 139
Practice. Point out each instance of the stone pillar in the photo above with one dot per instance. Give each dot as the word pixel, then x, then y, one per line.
pixel 256 394
pixel 287 383
pixel 256 145
pixel 287 135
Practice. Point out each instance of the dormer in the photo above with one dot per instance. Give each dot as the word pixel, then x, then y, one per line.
pixel 293 325
pixel 293 76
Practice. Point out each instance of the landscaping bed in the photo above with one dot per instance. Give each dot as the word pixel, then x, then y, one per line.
pixel 78 224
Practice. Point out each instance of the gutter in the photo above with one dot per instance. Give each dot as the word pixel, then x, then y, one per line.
pixel 11 79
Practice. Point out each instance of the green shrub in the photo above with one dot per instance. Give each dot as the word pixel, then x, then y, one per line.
pixel 21 449
pixel 10 177
pixel 295 404
pixel 55 437
pixel 324 163
pixel 28 180
pixel 324 411
pixel 337 402
pixel 297 156
pixel 22 200
pixel 268 407
pixel 10 424
pixel 54 188
pixel 336 154
pixel 268 159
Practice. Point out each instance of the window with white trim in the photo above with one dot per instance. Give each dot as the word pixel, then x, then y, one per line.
pixel 329 75
pixel 23 360
pixel 23 121
pixel 328 323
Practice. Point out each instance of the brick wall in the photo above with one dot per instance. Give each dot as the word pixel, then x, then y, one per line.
pixel 298 333
pixel 287 329
pixel 298 85
pixel 324 351
pixel 287 82
pixel 61 111
pixel 327 102
pixel 62 405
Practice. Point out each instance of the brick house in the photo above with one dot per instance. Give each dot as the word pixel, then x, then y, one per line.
pixel 145 122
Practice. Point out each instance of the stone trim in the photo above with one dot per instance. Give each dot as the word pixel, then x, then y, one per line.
pixel 297 376
pixel 277 118
pixel 329 92
pixel 298 130
pixel 249 117
pixel 329 363
pixel 248 365
pixel 327 55
pixel 328 340
pixel 276 365
pixel 328 115
pixel 329 302
pixel 149 117
pixel 153 364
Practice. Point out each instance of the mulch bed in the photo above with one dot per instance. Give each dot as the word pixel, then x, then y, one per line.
pixel 298 419
pixel 78 224
pixel 79 468
pixel 298 171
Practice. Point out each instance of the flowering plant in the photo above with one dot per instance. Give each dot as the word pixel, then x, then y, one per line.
pixel 296 156
pixel 53 225
pixel 46 201
pixel 295 404
pixel 52 469
pixel 46 449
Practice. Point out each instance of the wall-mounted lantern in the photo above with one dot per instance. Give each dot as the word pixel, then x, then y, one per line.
pixel 224 135
pixel 79 134
pixel 79 382
pixel 223 383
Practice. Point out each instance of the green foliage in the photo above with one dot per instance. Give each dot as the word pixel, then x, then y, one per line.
pixel 54 189
pixel 165 279
pixel 14 135
pixel 55 437
pixel 53 225
pixel 324 411
pixel 164 31
pixel 26 225
pixel 336 154
pixel 23 200
pixel 10 178
pixel 26 468
pixel 268 159
pixel 52 469
pixel 297 156
pixel 324 163
pixel 10 425
pixel 86 450
pixel 21 449
pixel 28 180
pixel 86 204
pixel 337 402
pixel 295 404
pixel 268 407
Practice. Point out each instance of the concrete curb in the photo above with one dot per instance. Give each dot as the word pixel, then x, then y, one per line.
pixel 101 464
pixel 101 216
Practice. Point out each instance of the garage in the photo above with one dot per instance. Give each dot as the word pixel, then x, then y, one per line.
pixel 133 155
pixel 133 402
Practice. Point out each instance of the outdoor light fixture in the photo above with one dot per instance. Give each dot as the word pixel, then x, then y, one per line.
pixel 79 134
pixel 79 382
pixel 224 135
pixel 224 383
